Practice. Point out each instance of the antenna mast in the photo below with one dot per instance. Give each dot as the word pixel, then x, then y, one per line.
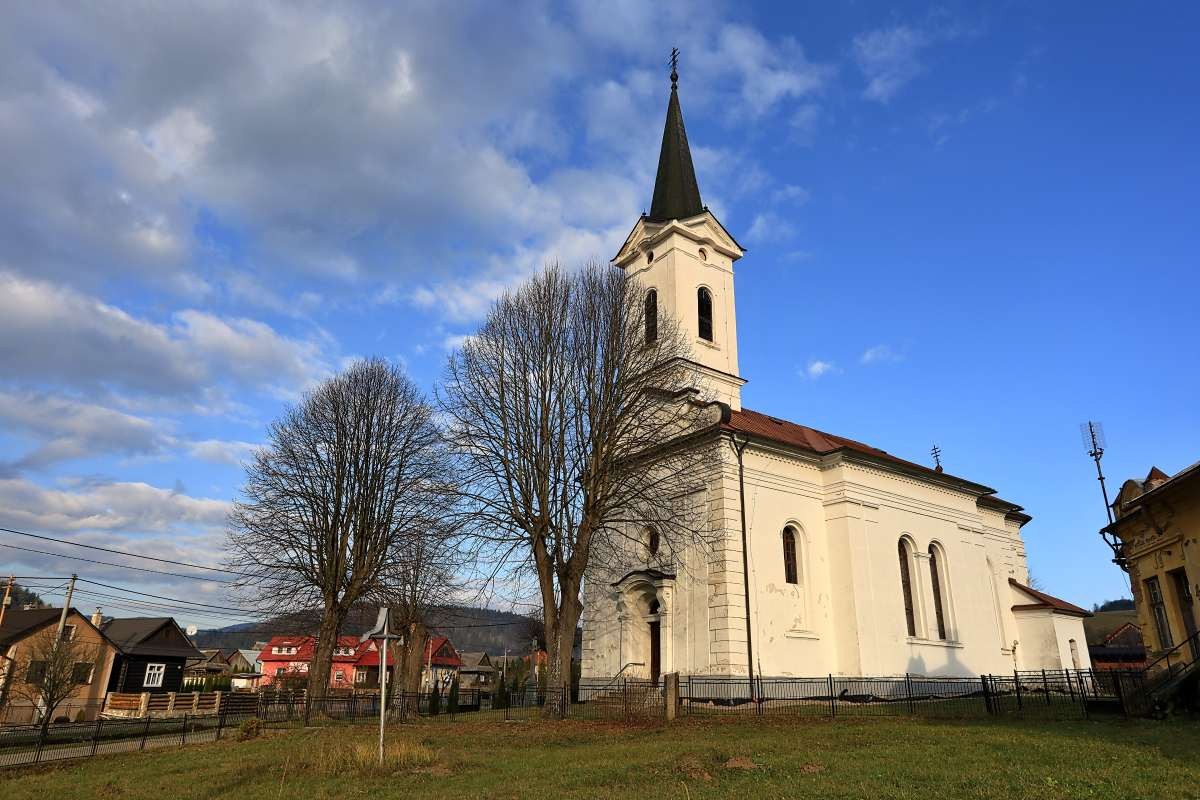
pixel 1093 443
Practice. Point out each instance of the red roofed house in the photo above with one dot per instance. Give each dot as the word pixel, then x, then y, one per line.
pixel 828 555
pixel 442 663
pixel 355 664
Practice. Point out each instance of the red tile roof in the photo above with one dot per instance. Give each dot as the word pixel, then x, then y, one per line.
pixel 1044 600
pixel 434 644
pixel 305 648
pixel 754 423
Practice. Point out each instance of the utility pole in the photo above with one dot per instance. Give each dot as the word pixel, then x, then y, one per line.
pixel 8 587
pixel 62 617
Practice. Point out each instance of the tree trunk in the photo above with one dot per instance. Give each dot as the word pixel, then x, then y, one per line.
pixel 560 646
pixel 322 662
pixel 414 657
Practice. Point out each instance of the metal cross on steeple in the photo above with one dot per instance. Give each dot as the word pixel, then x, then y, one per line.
pixel 936 452
pixel 674 67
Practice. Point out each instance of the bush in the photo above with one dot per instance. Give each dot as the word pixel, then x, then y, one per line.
pixel 435 702
pixel 452 699
pixel 250 729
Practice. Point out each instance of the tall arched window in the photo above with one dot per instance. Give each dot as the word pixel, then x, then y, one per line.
pixel 704 313
pixel 910 616
pixel 936 565
pixel 791 572
pixel 651 316
pixel 651 541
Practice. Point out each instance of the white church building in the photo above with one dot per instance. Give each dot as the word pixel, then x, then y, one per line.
pixel 856 562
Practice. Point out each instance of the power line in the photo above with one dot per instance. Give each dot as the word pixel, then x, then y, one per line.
pixel 111 564
pixel 124 553
pixel 171 599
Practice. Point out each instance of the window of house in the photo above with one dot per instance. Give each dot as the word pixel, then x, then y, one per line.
pixel 280 672
pixel 936 578
pixel 1159 609
pixel 791 573
pixel 154 675
pixel 36 672
pixel 651 316
pixel 68 633
pixel 910 617
pixel 82 672
pixel 704 313
pixel 1074 653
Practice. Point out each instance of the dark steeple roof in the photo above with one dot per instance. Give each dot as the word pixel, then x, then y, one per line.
pixel 676 193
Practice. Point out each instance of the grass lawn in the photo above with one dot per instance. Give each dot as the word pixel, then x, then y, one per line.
pixel 695 758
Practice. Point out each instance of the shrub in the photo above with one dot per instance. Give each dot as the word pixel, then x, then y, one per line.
pixel 249 729
pixel 452 698
pixel 435 702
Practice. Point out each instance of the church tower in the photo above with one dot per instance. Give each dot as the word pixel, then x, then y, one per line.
pixel 684 257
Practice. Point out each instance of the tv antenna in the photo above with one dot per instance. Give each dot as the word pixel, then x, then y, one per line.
pixel 1092 434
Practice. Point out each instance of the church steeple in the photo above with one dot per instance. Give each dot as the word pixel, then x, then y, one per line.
pixel 676 193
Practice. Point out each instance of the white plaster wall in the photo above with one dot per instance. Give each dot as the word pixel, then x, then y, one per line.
pixel 1067 628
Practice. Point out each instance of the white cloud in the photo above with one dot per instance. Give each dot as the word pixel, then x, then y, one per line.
pixel 220 451
pixel 889 58
pixel 880 354
pixel 769 227
pixel 817 367
pixel 52 333
pixel 125 507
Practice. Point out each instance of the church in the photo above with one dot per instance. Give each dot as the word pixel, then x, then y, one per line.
pixel 830 556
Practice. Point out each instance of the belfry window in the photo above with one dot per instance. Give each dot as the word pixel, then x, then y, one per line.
pixel 791 573
pixel 910 617
pixel 651 316
pixel 651 542
pixel 704 313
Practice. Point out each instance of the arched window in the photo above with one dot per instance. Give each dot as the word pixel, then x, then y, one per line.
pixel 910 616
pixel 936 564
pixel 651 541
pixel 790 572
pixel 651 316
pixel 704 312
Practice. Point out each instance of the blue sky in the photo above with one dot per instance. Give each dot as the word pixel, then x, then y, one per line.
pixel 969 228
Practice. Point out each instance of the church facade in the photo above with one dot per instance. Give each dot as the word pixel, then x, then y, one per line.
pixel 828 556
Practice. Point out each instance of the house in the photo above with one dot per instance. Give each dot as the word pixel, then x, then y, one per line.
pixel 1114 640
pixel 213 664
pixel 819 554
pixel 22 636
pixel 442 663
pixel 355 664
pixel 1156 538
pixel 152 654
pixel 476 672
pixel 244 669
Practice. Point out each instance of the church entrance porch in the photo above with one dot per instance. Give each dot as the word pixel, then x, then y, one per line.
pixel 643 599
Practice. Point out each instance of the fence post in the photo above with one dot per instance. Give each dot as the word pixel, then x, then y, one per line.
pixel 145 733
pixel 37 756
pixel 1017 683
pixel 987 697
pixel 183 736
pixel 832 698
pixel 625 696
pixel 144 705
pixel 170 702
pixel 671 696
pixel 908 692
pixel 96 735
pixel 1046 687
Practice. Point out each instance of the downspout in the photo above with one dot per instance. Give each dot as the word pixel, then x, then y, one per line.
pixel 738 449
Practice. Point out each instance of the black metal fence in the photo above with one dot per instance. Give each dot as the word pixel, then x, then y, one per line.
pixel 1058 694
pixel 1050 694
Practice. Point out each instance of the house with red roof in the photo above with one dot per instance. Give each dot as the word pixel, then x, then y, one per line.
pixel 801 552
pixel 355 664
pixel 442 663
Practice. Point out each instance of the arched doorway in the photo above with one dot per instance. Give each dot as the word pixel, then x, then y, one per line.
pixel 655 623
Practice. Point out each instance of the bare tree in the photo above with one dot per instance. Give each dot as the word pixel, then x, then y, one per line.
pixel 52 667
pixel 353 481
pixel 572 421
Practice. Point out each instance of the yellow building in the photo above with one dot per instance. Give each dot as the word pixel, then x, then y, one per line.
pixel 1156 538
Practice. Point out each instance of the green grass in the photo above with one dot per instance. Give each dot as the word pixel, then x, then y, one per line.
pixel 694 758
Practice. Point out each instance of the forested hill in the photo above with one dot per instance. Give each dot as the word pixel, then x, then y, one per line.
pixel 470 629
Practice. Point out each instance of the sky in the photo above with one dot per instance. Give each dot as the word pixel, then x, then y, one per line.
pixel 975 228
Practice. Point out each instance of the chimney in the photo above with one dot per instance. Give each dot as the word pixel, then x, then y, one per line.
pixel 97 617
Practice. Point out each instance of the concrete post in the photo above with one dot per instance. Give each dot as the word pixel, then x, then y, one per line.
pixel 195 701
pixel 170 702
pixel 671 690
pixel 144 705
